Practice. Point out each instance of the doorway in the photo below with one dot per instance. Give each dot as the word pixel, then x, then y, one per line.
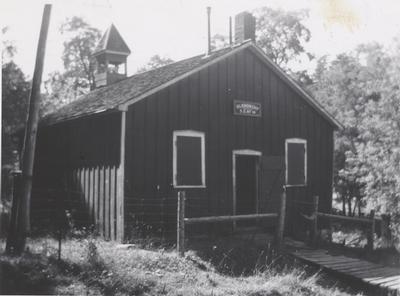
pixel 245 184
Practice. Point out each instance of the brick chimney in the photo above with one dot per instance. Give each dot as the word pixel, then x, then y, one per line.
pixel 245 27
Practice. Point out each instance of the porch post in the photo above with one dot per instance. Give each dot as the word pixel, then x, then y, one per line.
pixel 180 235
pixel 120 181
pixel 314 225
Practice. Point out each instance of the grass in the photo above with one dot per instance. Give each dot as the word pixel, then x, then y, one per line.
pixel 96 267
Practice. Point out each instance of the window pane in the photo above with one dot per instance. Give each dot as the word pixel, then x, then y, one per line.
pixel 189 161
pixel 296 163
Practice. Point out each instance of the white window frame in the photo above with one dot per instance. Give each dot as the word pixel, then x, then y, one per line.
pixel 299 141
pixel 188 133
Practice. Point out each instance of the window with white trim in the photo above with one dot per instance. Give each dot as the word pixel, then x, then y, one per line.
pixel 188 159
pixel 296 162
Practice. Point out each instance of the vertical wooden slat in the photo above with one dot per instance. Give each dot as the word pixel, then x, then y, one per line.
pixel 87 192
pixel 211 139
pixel 96 196
pixel 78 183
pixel 101 200
pixel 150 144
pixel 112 203
pixel 82 184
pixel 91 209
pixel 107 201
pixel 222 142
pixel 81 192
pixel 274 116
pixel 231 86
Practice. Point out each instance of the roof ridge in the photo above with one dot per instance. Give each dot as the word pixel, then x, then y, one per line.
pixel 138 86
pixel 99 91
pixel 158 68
pixel 192 57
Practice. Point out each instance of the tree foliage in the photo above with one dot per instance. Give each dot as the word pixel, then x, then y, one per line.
pixel 8 47
pixel 219 41
pixel 63 87
pixel 14 96
pixel 60 89
pixel 361 89
pixel 379 150
pixel 155 62
pixel 282 35
pixel 81 40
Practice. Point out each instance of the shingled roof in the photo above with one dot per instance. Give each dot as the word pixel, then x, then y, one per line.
pixel 110 97
pixel 139 86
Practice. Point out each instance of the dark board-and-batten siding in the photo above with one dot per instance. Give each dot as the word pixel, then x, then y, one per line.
pixel 83 156
pixel 80 160
pixel 204 102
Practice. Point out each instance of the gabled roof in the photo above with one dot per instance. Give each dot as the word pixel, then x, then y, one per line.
pixel 112 42
pixel 137 87
pixel 116 94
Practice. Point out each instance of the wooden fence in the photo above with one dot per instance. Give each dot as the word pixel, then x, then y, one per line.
pixel 368 223
pixel 97 188
pixel 149 216
pixel 182 221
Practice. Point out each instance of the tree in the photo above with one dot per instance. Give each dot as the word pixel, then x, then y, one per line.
pixel 379 150
pixel 81 40
pixel 338 90
pixel 282 35
pixel 78 78
pixel 219 41
pixel 155 62
pixel 8 48
pixel 361 89
pixel 14 96
pixel 60 89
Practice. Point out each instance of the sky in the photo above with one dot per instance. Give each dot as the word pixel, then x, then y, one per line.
pixel 177 28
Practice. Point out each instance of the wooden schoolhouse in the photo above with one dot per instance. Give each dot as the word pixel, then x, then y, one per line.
pixel 228 127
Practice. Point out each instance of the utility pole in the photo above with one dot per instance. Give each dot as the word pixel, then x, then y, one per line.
pixel 28 151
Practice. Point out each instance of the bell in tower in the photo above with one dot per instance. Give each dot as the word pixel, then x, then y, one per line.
pixel 110 54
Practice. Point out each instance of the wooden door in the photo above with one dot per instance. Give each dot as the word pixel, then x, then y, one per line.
pixel 272 179
pixel 246 186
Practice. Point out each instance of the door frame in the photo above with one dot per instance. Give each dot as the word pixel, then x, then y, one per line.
pixel 248 152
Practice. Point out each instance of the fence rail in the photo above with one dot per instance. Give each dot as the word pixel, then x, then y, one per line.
pixel 369 223
pixel 212 219
pixel 182 221
pixel 345 218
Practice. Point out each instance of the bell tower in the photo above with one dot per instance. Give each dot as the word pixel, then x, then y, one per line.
pixel 111 54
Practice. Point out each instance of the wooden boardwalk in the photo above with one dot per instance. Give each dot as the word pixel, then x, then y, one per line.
pixel 386 278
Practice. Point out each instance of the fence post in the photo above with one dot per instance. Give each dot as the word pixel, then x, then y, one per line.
pixel 281 221
pixel 331 230
pixel 180 235
pixel 371 232
pixel 60 219
pixel 314 229
pixel 163 219
pixel 385 231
